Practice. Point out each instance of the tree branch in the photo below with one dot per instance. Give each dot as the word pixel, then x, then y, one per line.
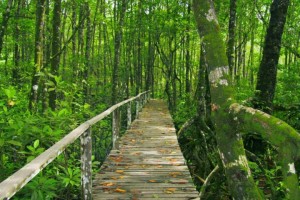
pixel 207 181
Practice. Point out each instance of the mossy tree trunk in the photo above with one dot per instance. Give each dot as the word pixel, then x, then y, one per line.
pixel 230 120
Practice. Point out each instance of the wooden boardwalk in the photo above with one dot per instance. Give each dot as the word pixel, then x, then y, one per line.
pixel 148 164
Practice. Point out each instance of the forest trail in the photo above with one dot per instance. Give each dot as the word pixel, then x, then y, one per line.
pixel 149 163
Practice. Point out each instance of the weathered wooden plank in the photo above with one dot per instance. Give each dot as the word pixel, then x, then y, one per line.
pixel 148 163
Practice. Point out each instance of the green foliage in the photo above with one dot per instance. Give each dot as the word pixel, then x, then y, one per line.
pixel 287 95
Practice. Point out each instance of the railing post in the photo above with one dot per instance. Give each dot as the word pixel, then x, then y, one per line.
pixel 86 164
pixel 115 129
pixel 137 108
pixel 129 114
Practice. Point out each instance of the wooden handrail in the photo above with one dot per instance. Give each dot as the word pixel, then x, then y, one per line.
pixel 20 178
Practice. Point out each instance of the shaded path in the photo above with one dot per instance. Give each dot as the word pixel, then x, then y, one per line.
pixel 148 164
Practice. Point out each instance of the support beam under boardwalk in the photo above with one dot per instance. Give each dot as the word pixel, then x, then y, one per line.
pixel 148 164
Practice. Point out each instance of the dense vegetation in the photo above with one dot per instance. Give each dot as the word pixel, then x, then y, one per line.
pixel 62 62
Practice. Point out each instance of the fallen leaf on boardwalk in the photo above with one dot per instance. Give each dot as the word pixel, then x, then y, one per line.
pixel 152 181
pixel 117 159
pixel 121 177
pixel 175 174
pixel 119 171
pixel 159 166
pixel 108 184
pixel 114 178
pixel 180 181
pixel 170 190
pixel 120 190
pixel 172 159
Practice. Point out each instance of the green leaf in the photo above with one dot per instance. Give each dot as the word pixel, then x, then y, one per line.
pixel 86 106
pixel 36 143
pixel 13 142
pixel 1 142
pixel 63 112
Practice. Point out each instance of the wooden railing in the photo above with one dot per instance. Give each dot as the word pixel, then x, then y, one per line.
pixel 19 179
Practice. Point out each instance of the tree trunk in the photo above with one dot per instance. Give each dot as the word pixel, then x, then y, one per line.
pixel 187 54
pixel 87 54
pixel 55 52
pixel 5 18
pixel 240 182
pixel 15 70
pixel 118 39
pixel 267 74
pixel 38 54
pixel 231 36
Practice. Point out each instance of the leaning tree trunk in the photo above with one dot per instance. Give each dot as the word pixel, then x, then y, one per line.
pixel 230 119
pixel 266 78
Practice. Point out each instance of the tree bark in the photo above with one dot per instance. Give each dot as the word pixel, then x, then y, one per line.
pixel 55 52
pixel 267 74
pixel 231 35
pixel 87 54
pixel 240 182
pixel 5 18
pixel 38 54
pixel 118 39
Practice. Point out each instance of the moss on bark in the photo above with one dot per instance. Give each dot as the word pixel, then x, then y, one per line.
pixel 230 119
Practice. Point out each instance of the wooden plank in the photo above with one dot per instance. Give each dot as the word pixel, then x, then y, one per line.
pixel 148 164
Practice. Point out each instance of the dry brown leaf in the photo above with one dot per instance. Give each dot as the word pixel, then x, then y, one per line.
pixel 152 181
pixel 120 171
pixel 114 178
pixel 121 177
pixel 119 190
pixel 170 190
pixel 175 174
pixel 117 159
pixel 108 184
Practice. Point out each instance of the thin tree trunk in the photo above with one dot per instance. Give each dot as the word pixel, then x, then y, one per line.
pixel 87 54
pixel 4 23
pixel 231 36
pixel 118 39
pixel 38 54
pixel 55 61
